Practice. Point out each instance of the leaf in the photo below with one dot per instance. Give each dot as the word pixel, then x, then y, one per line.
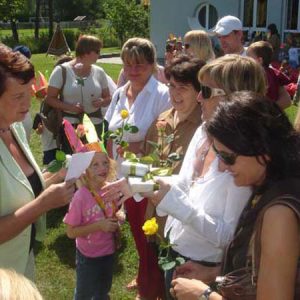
pixel 147 160
pixel 129 155
pixel 154 156
pixel 180 261
pixel 113 136
pixel 126 126
pixel 168 266
pixel 153 144
pixel 133 129
pixel 60 155
pixel 54 166
pixel 124 144
pixel 174 156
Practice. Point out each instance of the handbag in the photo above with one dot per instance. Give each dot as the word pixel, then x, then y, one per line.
pixel 241 284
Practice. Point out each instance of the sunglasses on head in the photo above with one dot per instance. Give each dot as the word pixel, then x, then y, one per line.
pixel 227 158
pixel 208 92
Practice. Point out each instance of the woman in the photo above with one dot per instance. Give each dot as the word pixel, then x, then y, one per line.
pixel 197 44
pixel 258 146
pixel 23 201
pixel 181 121
pixel 273 38
pixel 86 87
pixel 145 99
pixel 203 207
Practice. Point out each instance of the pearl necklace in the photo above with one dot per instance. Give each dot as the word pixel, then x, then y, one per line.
pixel 4 130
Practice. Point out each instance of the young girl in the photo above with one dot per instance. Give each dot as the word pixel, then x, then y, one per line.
pixel 94 224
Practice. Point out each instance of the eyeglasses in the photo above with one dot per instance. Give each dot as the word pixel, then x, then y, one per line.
pixel 208 92
pixel 137 67
pixel 186 46
pixel 227 158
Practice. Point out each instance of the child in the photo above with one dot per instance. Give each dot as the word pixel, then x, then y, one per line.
pixel 262 52
pixel 94 225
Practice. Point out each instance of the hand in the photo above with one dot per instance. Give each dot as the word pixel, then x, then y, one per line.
pixel 76 108
pixel 120 150
pixel 97 103
pixel 57 195
pixel 118 190
pixel 157 196
pixel 121 216
pixel 108 225
pixel 187 289
pixel 193 270
pixel 40 129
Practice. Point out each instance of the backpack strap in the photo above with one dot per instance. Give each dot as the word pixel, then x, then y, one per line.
pixel 64 78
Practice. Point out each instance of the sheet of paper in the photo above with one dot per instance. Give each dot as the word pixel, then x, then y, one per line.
pixel 78 164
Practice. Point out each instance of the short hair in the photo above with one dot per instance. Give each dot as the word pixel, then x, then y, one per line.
pixel 251 125
pixel 138 50
pixel 185 69
pixel 86 44
pixel 262 49
pixel 234 72
pixel 17 286
pixel 200 44
pixel 14 65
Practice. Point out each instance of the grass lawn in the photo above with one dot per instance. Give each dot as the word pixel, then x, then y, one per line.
pixel 55 257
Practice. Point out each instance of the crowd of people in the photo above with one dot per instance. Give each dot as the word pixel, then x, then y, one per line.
pixel 233 205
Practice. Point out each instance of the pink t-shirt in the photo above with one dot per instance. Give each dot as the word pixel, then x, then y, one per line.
pixel 84 210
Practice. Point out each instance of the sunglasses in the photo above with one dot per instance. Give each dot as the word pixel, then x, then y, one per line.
pixel 208 92
pixel 227 158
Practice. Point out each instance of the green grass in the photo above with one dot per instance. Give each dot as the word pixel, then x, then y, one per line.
pixel 55 257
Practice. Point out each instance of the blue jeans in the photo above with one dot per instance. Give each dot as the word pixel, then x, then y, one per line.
pixel 94 277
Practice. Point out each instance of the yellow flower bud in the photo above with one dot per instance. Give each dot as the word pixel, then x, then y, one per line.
pixel 150 227
pixel 124 114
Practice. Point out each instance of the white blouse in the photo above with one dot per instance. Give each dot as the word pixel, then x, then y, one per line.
pixel 203 214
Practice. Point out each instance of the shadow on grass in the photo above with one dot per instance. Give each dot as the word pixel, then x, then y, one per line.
pixel 55 216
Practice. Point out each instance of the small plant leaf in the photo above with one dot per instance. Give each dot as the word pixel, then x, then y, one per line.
pixel 147 160
pixel 168 266
pixel 133 129
pixel 60 155
pixel 124 144
pixel 180 261
pixel 55 166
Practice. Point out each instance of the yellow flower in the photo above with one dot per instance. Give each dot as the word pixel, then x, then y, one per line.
pixel 124 114
pixel 150 227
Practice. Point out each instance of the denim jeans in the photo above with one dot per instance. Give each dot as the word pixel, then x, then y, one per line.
pixel 94 277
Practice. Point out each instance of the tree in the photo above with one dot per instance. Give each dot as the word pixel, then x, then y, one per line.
pixel 37 19
pixel 50 7
pixel 9 10
pixel 127 18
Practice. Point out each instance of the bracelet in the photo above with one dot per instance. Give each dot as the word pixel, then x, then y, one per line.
pixel 205 294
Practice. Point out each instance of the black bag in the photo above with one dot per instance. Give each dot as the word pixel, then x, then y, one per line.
pixel 52 117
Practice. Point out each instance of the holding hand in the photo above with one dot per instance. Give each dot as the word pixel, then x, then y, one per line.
pixel 76 108
pixel 108 225
pixel 157 196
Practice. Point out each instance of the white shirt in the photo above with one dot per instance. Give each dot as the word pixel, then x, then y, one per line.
pixel 148 105
pixel 74 92
pixel 203 214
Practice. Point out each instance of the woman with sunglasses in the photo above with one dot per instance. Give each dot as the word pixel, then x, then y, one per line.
pixel 203 207
pixel 257 145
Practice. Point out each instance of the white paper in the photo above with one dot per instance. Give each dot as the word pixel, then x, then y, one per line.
pixel 78 164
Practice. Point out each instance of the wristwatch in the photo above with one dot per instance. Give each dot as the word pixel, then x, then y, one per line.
pixel 205 294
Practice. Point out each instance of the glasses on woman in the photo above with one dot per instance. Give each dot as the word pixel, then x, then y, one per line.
pixel 227 158
pixel 208 92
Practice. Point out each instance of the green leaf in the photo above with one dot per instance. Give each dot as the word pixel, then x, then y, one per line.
pixel 153 144
pixel 113 136
pixel 154 156
pixel 60 155
pixel 147 160
pixel 124 144
pixel 129 155
pixel 126 126
pixel 133 129
pixel 180 261
pixel 168 266
pixel 54 166
pixel 174 156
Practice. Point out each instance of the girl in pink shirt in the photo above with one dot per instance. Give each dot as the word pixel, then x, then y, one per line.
pixel 94 224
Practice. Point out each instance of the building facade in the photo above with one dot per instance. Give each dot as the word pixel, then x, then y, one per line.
pixel 180 16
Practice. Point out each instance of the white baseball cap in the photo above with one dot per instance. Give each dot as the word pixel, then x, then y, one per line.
pixel 227 24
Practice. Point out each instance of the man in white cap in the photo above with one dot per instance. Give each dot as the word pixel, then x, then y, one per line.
pixel 230 34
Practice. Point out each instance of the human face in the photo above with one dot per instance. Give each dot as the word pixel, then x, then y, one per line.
pixel 99 168
pixel 183 96
pixel 232 42
pixel 246 170
pixel 92 57
pixel 138 73
pixel 14 102
pixel 188 49
pixel 209 105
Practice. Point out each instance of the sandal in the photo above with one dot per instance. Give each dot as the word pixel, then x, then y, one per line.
pixel 132 285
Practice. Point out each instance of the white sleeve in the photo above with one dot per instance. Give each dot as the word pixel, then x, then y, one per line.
pixel 217 230
pixel 103 79
pixel 111 108
pixel 56 79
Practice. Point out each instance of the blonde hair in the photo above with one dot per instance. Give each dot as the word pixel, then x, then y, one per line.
pixel 138 50
pixel 14 286
pixel 86 44
pixel 200 44
pixel 112 172
pixel 234 72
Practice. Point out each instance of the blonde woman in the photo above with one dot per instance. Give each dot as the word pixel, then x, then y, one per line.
pixel 197 44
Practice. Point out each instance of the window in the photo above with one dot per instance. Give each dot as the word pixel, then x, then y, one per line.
pixel 292 14
pixel 255 13
pixel 207 16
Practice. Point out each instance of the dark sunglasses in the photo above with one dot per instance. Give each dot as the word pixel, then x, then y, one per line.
pixel 186 46
pixel 227 158
pixel 208 92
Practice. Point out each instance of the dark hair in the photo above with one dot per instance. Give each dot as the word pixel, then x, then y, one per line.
pixel 249 124
pixel 86 44
pixel 273 29
pixel 185 69
pixel 264 50
pixel 15 65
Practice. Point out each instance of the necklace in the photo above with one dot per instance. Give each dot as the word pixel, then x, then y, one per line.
pixel 4 130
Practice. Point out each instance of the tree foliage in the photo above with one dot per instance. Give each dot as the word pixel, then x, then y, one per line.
pixel 127 18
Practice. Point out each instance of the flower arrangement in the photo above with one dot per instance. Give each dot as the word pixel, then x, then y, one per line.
pixel 165 260
pixel 118 134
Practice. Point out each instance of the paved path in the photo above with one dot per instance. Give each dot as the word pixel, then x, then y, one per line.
pixel 111 60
